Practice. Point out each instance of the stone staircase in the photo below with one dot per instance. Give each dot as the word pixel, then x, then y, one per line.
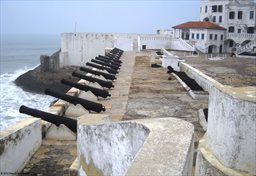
pixel 246 48
pixel 180 44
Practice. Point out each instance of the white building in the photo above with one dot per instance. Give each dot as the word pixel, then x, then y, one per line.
pixel 205 36
pixel 237 16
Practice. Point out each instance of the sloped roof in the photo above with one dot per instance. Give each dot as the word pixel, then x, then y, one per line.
pixel 199 25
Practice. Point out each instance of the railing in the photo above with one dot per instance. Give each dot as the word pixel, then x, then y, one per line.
pixel 246 48
pixel 186 45
pixel 243 36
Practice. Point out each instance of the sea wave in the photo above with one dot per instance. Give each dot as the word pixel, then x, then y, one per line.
pixel 12 97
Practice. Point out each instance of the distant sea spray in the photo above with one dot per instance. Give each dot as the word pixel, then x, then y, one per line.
pixel 19 54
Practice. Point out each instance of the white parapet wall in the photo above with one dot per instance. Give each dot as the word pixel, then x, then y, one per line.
pixel 145 147
pixel 17 144
pixel 169 59
pixel 79 48
pixel 229 146
pixel 232 127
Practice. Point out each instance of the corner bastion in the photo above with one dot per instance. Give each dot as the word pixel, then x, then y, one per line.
pixel 149 147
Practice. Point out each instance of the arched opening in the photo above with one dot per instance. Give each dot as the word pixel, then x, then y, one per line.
pixel 229 45
pixel 212 49
pixel 220 51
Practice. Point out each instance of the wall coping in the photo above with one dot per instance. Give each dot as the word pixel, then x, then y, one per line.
pixel 243 93
pixel 167 150
pixel 17 126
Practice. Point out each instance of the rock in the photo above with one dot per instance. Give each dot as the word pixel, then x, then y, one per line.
pixel 37 81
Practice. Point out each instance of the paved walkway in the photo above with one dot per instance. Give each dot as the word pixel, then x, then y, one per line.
pixel 152 95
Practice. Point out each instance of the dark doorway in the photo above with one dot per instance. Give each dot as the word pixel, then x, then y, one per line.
pixel 144 47
pixel 187 36
pixel 210 49
pixel 220 48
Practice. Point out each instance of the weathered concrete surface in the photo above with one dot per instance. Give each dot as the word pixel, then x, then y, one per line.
pixel 152 145
pixel 168 149
pixel 109 148
pixel 120 93
pixel 208 164
pixel 52 158
pixel 152 95
pixel 232 126
pixel 17 145
pixel 233 71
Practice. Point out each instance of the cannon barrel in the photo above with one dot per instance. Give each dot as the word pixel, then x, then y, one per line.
pixel 118 61
pixel 97 92
pixel 105 64
pixel 103 83
pixel 55 119
pixel 113 57
pixel 88 105
pixel 108 61
pixel 105 75
pixel 109 70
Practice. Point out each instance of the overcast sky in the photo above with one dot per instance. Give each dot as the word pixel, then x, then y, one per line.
pixel 55 17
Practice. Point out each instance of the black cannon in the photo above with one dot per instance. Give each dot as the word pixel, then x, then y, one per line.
pixel 103 83
pixel 97 92
pixel 105 64
pixel 105 75
pixel 102 68
pixel 52 118
pixel 108 61
pixel 113 59
pixel 88 105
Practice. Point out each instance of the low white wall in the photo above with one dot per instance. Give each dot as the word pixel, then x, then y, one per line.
pixel 168 59
pixel 146 147
pixel 206 82
pixel 17 144
pixel 111 147
pixel 232 126
pixel 231 122
pixel 79 48
pixel 155 41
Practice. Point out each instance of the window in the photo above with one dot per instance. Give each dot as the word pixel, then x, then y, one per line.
pixel 214 19
pixel 251 14
pixel 231 29
pixel 220 8
pixel 221 36
pixel 215 37
pixel 193 36
pixel 214 8
pixel 250 30
pixel 210 36
pixel 239 31
pixel 240 15
pixel 231 43
pixel 231 15
pixel 202 36
pixel 197 36
pixel 220 19
pixel 205 10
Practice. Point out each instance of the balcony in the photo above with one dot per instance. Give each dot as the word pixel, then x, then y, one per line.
pixel 241 36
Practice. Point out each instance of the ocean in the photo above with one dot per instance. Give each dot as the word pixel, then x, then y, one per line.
pixel 19 54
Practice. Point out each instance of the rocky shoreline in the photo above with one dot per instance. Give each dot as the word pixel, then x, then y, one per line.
pixel 36 81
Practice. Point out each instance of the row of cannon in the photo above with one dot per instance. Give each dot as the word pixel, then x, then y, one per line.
pixel 102 66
